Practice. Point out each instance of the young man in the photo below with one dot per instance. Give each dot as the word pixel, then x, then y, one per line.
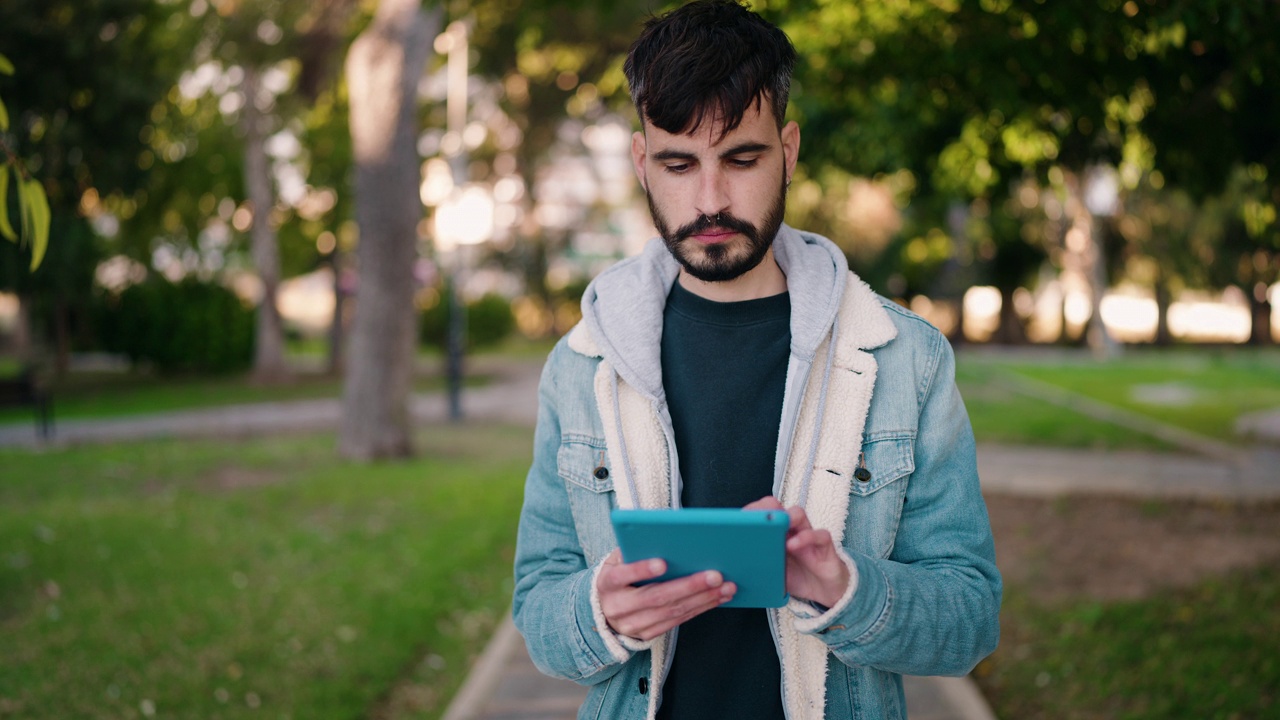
pixel 736 362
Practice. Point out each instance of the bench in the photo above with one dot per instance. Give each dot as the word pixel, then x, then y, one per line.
pixel 26 390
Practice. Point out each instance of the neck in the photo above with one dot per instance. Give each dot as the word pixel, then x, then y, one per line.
pixel 763 280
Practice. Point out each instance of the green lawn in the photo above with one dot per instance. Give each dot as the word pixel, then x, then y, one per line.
pixel 1198 654
pixel 999 414
pixel 1202 390
pixel 108 394
pixel 252 579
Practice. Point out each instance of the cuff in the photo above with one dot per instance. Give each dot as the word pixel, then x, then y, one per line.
pixel 811 618
pixel 621 647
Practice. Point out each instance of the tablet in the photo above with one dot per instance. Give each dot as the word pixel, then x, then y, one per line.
pixel 748 547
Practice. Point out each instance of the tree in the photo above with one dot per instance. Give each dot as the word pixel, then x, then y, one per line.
pixel 33 205
pixel 77 125
pixel 970 96
pixel 382 69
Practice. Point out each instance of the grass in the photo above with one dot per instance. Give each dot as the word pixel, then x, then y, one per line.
pixel 110 394
pixel 265 578
pixel 1205 390
pixel 999 414
pixel 1200 654
pixel 96 394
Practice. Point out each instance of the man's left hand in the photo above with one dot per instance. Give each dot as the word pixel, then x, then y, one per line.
pixel 814 570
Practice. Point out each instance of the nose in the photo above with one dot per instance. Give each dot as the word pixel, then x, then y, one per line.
pixel 713 193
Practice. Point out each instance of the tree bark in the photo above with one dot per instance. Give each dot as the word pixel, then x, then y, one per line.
pixel 268 354
pixel 383 67
pixel 1164 299
pixel 1011 330
pixel 337 330
pixel 1260 313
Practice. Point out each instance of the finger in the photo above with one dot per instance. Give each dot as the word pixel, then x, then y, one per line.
pixel 810 542
pixel 624 604
pixel 619 576
pixel 799 519
pixel 653 622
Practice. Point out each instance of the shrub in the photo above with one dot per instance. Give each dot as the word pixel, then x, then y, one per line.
pixel 489 322
pixel 187 326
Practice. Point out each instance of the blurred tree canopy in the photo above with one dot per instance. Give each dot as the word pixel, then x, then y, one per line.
pixel 974 98
pixel 92 70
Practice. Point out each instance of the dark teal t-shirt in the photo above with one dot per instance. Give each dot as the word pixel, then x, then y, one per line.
pixel 724 369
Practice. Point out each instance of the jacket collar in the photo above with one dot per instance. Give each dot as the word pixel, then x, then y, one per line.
pixel 622 308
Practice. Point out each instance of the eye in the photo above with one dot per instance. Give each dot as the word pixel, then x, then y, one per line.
pixel 743 162
pixel 677 168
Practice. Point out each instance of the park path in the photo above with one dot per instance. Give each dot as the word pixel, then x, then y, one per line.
pixel 504 685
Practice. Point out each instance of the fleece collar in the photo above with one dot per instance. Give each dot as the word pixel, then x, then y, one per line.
pixel 622 308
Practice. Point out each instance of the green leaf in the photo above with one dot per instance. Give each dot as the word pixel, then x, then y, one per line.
pixel 6 67
pixel 4 117
pixel 5 228
pixel 24 206
pixel 41 218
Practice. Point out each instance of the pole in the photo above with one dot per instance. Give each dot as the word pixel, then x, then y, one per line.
pixel 456 114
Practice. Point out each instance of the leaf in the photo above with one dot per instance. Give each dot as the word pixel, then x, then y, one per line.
pixel 4 117
pixel 6 67
pixel 5 228
pixel 41 218
pixel 24 208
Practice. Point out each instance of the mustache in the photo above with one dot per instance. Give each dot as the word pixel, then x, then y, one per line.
pixel 726 221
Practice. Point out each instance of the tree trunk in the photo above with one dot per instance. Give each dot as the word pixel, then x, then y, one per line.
pixel 1164 299
pixel 336 329
pixel 1011 331
pixel 383 68
pixel 268 354
pixel 1260 312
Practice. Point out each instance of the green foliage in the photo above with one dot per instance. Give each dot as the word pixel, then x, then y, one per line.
pixel 489 322
pixel 251 579
pixel 187 326
pixel 33 204
pixel 1205 652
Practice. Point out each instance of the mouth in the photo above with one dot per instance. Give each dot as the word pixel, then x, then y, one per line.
pixel 712 236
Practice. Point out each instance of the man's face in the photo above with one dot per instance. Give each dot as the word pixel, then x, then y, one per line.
pixel 718 201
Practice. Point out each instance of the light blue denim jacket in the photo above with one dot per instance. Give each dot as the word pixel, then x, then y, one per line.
pixel 867 383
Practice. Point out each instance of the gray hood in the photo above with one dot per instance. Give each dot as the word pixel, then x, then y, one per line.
pixel 623 306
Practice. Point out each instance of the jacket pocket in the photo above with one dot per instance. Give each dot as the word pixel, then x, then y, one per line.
pixel 886 459
pixel 875 504
pixel 583 463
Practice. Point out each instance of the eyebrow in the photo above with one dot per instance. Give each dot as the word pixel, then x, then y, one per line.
pixel 742 149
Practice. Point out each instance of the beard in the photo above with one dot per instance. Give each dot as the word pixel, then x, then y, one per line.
pixel 721 262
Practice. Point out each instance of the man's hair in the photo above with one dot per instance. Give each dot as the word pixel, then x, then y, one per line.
pixel 708 58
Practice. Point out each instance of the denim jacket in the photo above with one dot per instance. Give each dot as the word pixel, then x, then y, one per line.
pixel 868 384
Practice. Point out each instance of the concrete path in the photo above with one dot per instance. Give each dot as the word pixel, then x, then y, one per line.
pixel 504 685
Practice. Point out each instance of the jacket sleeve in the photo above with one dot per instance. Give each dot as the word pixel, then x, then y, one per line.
pixel 553 603
pixel 932 607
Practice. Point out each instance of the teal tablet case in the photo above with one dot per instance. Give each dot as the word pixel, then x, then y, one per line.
pixel 748 547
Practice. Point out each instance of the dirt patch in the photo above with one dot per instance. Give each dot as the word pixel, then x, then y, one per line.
pixel 1114 549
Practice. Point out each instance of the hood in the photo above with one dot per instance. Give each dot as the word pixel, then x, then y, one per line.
pixel 622 307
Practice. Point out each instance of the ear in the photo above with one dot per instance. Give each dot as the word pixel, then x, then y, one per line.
pixel 637 158
pixel 790 147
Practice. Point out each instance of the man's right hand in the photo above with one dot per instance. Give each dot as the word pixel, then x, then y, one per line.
pixel 648 611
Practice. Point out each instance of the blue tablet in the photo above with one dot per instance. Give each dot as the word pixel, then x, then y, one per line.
pixel 748 547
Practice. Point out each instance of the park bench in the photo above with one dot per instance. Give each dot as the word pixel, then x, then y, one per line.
pixel 26 390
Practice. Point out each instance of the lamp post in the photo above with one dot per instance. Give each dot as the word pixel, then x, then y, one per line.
pixel 454 42
pixel 1102 200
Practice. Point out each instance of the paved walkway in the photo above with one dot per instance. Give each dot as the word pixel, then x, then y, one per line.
pixel 504 685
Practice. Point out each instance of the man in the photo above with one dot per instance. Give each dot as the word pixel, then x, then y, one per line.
pixel 736 362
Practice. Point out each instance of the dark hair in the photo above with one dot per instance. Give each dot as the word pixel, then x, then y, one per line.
pixel 710 57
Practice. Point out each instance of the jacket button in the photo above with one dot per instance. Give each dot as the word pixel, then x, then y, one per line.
pixel 644 686
pixel 601 472
pixel 862 474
